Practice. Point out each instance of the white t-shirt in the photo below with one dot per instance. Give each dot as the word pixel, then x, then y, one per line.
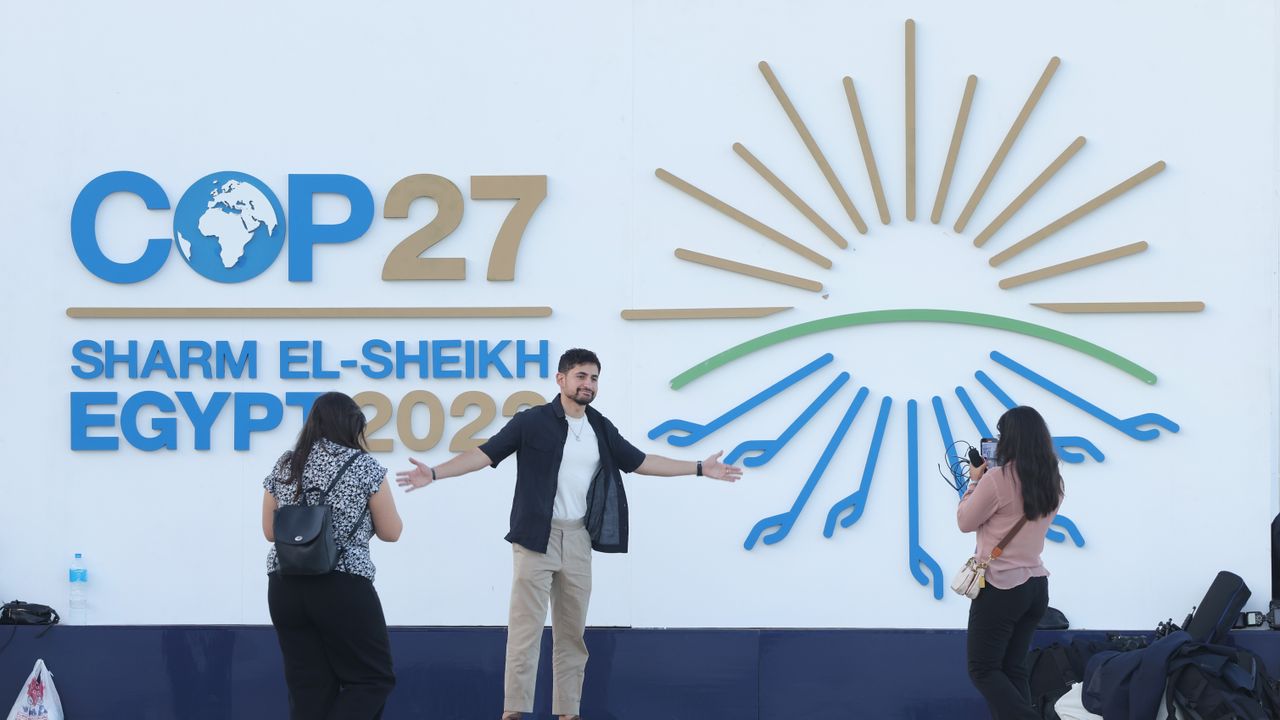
pixel 577 467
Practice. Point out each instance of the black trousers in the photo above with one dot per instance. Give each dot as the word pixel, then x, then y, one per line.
pixel 337 655
pixel 1001 624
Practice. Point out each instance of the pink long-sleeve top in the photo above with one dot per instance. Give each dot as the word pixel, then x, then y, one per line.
pixel 992 506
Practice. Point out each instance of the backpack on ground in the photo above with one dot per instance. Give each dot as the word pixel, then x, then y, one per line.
pixel 1053 669
pixel 1050 676
pixel 1209 682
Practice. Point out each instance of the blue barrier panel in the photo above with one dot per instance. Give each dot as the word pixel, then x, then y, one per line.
pixel 882 674
pixel 216 672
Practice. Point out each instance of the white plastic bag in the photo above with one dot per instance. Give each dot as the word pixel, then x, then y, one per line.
pixel 38 698
pixel 1071 706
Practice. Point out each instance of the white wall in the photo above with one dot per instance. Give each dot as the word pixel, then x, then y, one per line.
pixel 595 96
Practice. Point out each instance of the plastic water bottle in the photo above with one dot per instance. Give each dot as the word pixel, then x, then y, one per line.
pixel 78 578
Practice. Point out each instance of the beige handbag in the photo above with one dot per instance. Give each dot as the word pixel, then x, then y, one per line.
pixel 973 576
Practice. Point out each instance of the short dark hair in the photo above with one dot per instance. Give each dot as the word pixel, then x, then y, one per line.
pixel 577 356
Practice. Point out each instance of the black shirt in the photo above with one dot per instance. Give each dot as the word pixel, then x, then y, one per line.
pixel 537 436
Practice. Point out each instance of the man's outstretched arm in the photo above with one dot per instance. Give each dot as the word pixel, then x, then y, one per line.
pixel 423 474
pixel 711 467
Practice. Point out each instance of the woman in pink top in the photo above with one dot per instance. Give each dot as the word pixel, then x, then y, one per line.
pixel 1025 482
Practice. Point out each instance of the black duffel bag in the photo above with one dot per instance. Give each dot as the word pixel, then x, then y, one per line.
pixel 25 613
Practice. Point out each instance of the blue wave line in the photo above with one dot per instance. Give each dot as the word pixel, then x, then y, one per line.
pixel 783 522
pixel 917 556
pixel 856 503
pixel 1128 426
pixel 769 448
pixel 695 431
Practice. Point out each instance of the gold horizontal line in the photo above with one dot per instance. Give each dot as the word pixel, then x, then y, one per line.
pixel 701 313
pixel 749 270
pixel 239 313
pixel 1071 266
pixel 1124 307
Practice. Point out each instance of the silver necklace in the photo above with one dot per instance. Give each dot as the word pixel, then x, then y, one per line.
pixel 577 434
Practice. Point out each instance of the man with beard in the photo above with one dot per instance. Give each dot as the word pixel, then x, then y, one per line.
pixel 568 501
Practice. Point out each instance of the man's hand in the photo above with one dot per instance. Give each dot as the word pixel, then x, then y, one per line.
pixel 419 477
pixel 716 470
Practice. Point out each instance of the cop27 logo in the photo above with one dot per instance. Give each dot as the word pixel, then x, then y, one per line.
pixel 230 227
pixel 998 383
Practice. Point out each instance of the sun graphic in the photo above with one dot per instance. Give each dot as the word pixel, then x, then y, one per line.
pixel 758 452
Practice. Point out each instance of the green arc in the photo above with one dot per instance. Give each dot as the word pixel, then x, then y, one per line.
pixel 876 317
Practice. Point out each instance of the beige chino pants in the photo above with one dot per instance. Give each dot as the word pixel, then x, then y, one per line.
pixel 563 576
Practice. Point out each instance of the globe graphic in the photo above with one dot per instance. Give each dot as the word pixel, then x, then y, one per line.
pixel 229 226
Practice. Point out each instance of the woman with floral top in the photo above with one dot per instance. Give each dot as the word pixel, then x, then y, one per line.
pixel 332 633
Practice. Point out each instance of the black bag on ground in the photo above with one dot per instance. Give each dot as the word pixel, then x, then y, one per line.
pixel 1208 682
pixel 1275 558
pixel 1050 675
pixel 1219 609
pixel 1053 669
pixel 1053 619
pixel 25 613
pixel 305 544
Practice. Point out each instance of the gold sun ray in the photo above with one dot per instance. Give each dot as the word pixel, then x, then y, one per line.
pixel 750 270
pixel 1066 220
pixel 743 218
pixel 812 145
pixel 1070 266
pixel 1007 145
pixel 790 195
pixel 957 136
pixel 868 157
pixel 1026 194
pixel 910 116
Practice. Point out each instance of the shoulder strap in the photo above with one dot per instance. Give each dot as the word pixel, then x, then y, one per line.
pixel 341 471
pixel 360 520
pixel 999 548
pixel 354 529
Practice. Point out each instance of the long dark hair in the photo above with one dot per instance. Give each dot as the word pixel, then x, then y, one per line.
pixel 334 416
pixel 1025 441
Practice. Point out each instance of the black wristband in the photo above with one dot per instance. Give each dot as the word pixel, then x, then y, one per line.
pixel 699 471
pixel 433 474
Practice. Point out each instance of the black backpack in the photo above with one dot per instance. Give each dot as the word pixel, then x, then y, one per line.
pixel 1050 676
pixel 25 613
pixel 1216 682
pixel 1053 669
pixel 304 533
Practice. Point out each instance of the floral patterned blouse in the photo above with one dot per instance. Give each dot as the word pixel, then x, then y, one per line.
pixel 349 498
